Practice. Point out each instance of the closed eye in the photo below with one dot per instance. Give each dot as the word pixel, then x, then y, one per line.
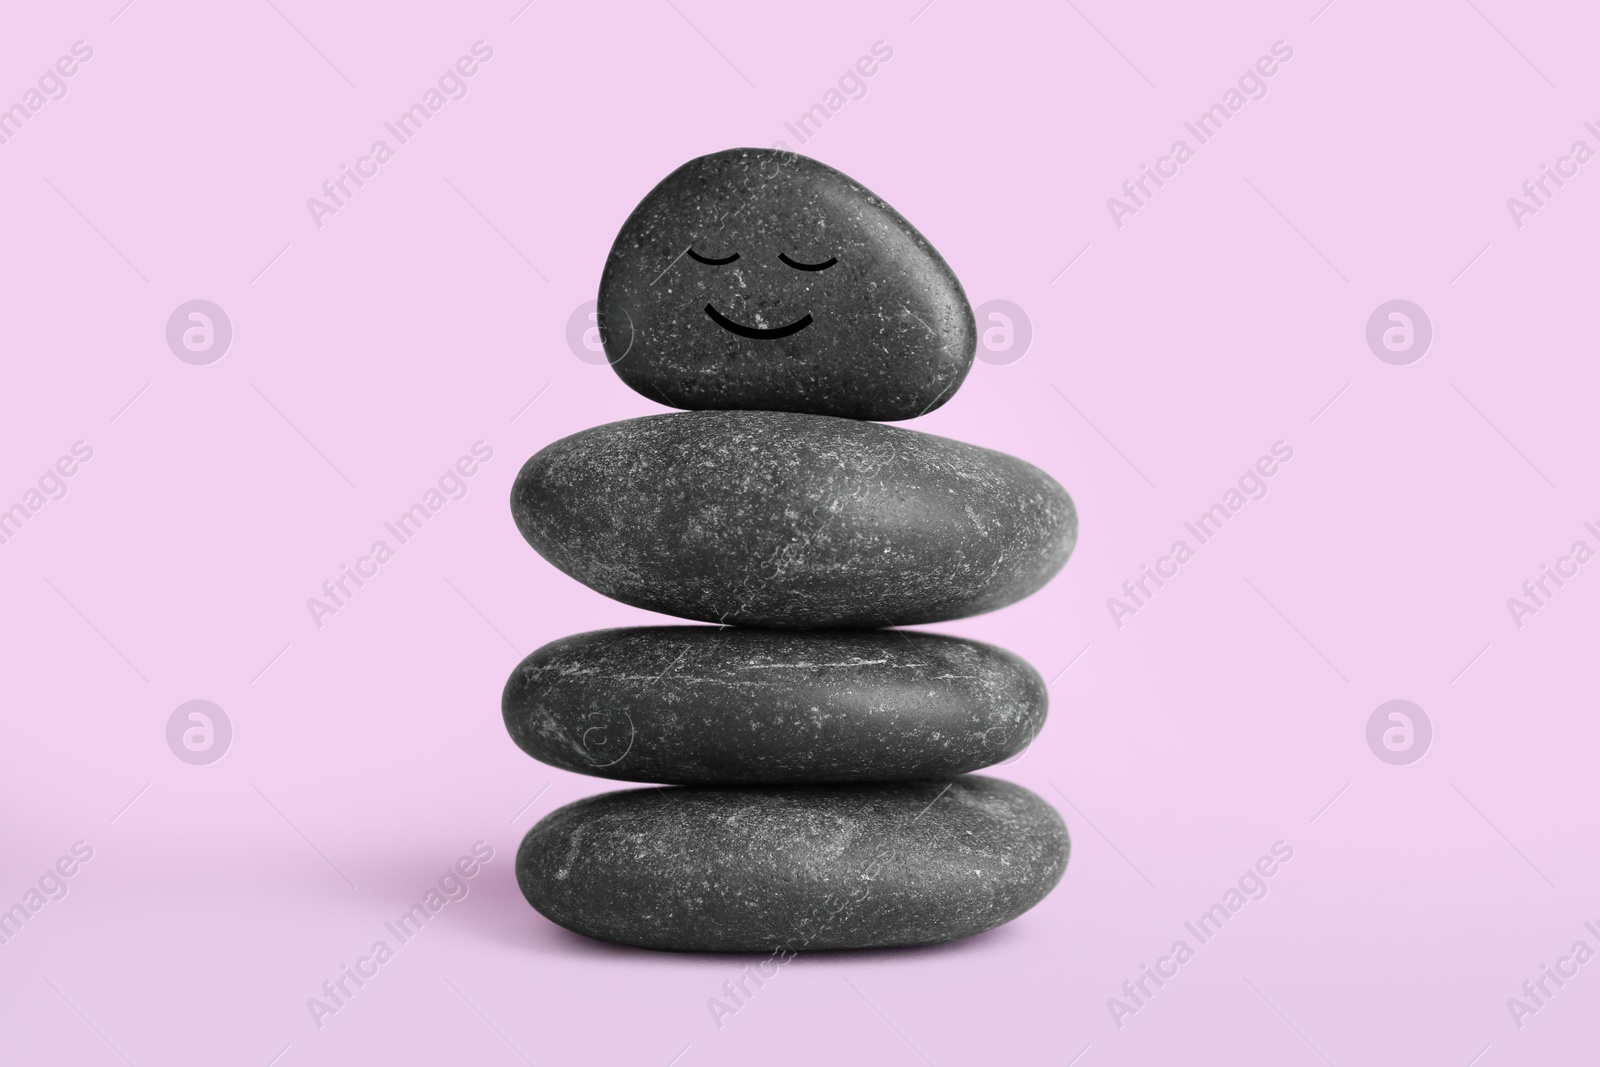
pixel 698 258
pixel 824 265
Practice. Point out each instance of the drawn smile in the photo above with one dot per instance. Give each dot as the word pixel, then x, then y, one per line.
pixel 754 334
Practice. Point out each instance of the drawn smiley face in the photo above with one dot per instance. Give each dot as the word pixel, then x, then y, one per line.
pixel 755 333
pixel 762 280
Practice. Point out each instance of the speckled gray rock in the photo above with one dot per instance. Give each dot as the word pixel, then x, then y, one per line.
pixel 738 869
pixel 791 521
pixel 764 280
pixel 701 705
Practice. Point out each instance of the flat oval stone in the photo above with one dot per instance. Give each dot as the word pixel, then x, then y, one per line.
pixel 792 521
pixel 739 869
pixel 699 704
pixel 760 279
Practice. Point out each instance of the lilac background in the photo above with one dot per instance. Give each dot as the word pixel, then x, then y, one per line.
pixel 1227 314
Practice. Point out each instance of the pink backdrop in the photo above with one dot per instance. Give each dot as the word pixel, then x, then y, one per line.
pixel 1228 312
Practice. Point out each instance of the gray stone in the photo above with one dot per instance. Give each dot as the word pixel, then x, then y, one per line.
pixel 764 280
pixel 792 521
pixel 702 705
pixel 739 869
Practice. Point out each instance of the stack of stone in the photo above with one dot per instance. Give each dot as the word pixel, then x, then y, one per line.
pixel 819 759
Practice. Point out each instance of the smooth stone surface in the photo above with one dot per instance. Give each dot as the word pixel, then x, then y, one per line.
pixel 792 521
pixel 700 705
pixel 740 869
pixel 884 332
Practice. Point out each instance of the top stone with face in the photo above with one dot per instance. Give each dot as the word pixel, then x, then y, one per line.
pixel 763 280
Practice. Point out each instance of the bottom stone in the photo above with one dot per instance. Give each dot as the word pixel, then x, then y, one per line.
pixel 750 869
